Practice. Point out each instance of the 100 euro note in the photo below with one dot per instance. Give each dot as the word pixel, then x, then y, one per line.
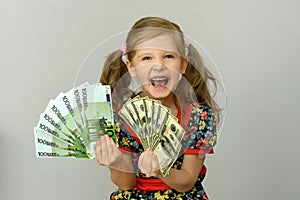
pixel 97 115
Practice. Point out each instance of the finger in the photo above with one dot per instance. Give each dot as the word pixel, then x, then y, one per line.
pixel 155 165
pixel 115 150
pixel 110 148
pixel 104 151
pixel 140 161
pixel 112 141
pixel 148 162
pixel 98 153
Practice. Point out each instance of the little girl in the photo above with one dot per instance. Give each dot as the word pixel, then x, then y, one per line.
pixel 157 62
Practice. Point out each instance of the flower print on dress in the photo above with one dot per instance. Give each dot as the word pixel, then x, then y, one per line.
pixel 194 139
pixel 204 115
pixel 202 125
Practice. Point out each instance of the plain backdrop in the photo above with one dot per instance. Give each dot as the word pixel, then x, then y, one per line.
pixel 254 43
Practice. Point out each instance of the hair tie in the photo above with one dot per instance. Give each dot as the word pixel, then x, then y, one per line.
pixel 123 48
pixel 186 45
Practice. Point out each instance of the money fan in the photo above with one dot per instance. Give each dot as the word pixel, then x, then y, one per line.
pixel 73 122
pixel 156 128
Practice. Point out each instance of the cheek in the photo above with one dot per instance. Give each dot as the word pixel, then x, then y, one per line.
pixel 175 76
pixel 176 68
pixel 143 75
pixel 175 65
pixel 144 69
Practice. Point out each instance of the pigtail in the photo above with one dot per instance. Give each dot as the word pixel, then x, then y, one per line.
pixel 115 74
pixel 199 78
pixel 114 68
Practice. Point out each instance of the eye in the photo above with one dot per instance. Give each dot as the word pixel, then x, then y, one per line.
pixel 169 56
pixel 146 58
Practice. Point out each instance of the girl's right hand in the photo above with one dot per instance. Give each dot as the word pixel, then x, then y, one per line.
pixel 148 163
pixel 107 153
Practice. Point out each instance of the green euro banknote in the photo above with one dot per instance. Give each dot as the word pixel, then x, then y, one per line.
pixel 97 114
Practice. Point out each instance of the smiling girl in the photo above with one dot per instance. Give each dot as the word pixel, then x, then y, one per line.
pixel 165 67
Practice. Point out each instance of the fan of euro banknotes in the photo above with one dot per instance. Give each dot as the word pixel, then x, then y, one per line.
pixel 73 122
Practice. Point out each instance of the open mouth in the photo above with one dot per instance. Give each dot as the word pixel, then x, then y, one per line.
pixel 159 81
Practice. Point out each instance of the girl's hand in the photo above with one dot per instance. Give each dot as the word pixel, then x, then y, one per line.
pixel 148 163
pixel 107 153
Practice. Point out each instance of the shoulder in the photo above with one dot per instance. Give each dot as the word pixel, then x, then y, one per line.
pixel 198 113
pixel 201 128
pixel 200 108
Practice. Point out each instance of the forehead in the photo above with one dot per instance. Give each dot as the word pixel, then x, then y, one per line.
pixel 162 42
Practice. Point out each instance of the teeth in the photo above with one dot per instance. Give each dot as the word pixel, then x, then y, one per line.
pixel 159 79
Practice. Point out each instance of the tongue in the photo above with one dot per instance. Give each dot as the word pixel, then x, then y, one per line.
pixel 159 82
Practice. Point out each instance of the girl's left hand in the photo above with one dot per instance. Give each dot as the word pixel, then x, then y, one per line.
pixel 148 163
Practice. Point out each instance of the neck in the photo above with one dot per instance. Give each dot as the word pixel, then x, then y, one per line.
pixel 169 101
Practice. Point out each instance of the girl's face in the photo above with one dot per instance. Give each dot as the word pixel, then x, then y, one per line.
pixel 157 65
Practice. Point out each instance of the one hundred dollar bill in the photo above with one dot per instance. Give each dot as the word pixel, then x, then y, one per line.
pixel 167 150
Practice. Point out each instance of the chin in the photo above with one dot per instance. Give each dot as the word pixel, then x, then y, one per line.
pixel 157 93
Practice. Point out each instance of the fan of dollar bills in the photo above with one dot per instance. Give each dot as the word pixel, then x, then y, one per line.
pixel 73 122
pixel 156 128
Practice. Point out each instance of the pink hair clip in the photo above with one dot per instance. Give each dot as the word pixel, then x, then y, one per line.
pixel 123 48
pixel 186 43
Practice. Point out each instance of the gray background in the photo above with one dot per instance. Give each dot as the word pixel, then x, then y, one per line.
pixel 254 43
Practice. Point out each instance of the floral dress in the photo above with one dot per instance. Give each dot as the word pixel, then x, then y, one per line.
pixel 199 138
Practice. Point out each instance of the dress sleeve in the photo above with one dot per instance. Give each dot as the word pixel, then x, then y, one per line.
pixel 201 136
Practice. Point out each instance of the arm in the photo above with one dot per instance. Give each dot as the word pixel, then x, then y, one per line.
pixel 120 165
pixel 184 179
pixel 125 180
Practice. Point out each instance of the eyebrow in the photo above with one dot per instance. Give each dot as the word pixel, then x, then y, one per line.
pixel 149 53
pixel 143 54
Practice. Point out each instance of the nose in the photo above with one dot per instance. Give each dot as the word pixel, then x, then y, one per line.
pixel 159 64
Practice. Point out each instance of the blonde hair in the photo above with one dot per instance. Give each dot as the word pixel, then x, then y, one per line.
pixel 196 73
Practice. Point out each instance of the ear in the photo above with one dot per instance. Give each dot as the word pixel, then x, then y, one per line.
pixel 184 64
pixel 130 68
